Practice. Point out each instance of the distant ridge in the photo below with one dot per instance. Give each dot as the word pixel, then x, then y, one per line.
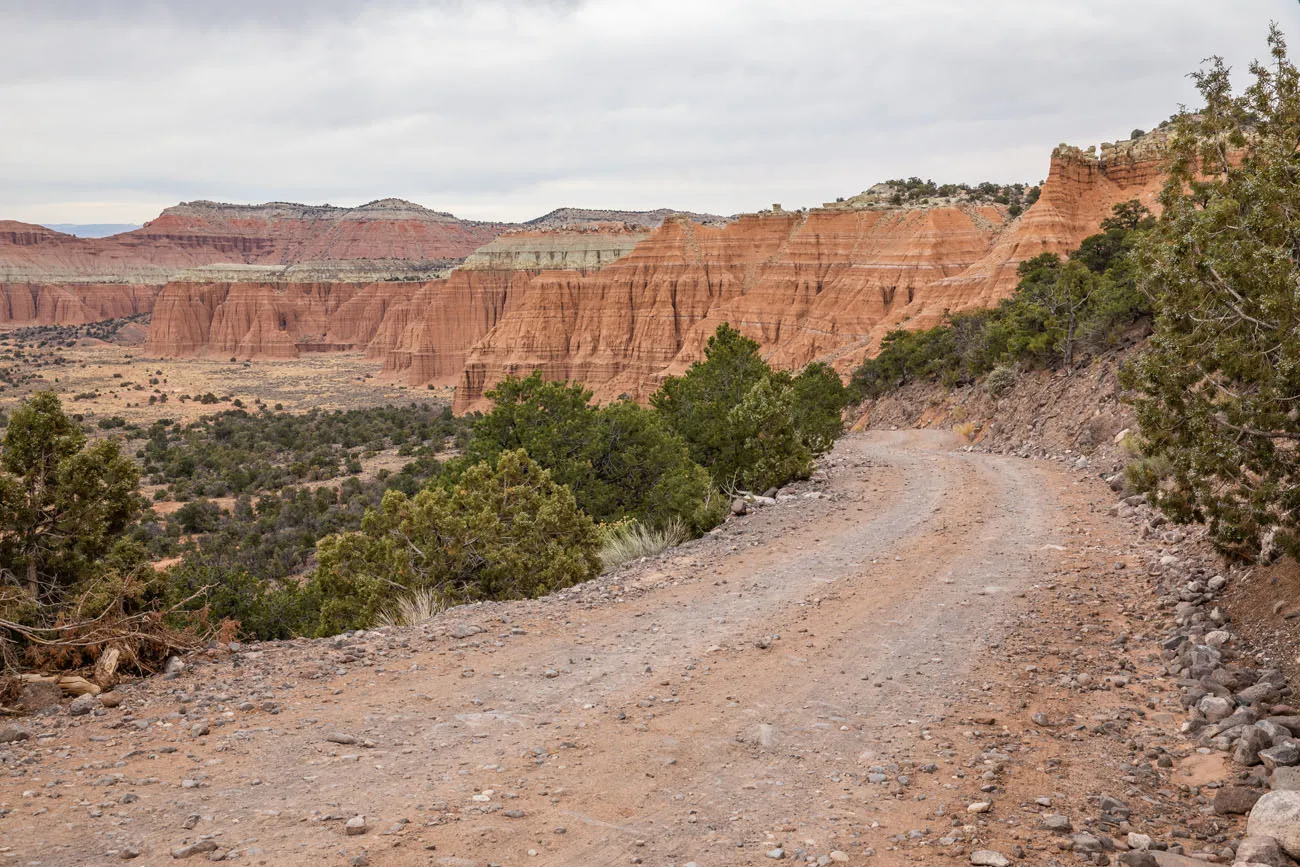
pixel 379 209
pixel 648 219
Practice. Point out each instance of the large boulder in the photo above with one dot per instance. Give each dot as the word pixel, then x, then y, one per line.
pixel 1286 755
pixel 1262 850
pixel 1252 740
pixel 1216 708
pixel 1285 779
pixel 1277 815
pixel 1235 800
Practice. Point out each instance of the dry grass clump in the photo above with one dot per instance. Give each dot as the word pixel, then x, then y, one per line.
pixel 966 430
pixel 413 608
pixel 627 542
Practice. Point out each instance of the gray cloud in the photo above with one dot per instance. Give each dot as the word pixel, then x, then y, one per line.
pixel 506 109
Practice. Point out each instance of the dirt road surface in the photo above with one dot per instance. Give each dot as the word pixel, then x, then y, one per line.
pixel 836 677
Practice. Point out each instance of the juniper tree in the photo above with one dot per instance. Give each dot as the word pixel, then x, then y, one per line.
pixel 1218 391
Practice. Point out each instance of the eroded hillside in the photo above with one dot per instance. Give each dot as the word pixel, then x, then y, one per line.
pixel 619 305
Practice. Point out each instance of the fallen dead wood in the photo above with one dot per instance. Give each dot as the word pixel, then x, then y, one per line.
pixel 69 683
pixel 106 667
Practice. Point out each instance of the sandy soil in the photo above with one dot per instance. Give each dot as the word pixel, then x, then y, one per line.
pixel 839 676
pixel 121 378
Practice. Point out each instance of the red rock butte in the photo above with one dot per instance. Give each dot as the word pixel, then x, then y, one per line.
pixel 615 300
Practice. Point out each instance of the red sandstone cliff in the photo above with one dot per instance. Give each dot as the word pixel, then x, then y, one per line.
pixel 49 277
pixel 619 305
pixel 1080 191
pixel 821 286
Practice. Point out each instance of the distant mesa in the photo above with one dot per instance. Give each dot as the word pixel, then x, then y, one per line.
pixel 576 217
pixel 379 209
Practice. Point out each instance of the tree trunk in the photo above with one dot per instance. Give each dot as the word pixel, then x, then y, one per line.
pixel 33 585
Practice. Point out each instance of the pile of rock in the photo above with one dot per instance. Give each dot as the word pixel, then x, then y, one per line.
pixel 1235 706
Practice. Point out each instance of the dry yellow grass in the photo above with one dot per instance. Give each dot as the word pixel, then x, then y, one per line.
pixel 338 380
pixel 966 430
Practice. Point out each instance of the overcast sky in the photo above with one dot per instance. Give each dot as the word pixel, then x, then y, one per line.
pixel 110 110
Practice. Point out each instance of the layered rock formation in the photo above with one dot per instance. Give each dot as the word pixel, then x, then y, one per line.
pixel 569 218
pixel 803 285
pixel 613 299
pixel 1080 191
pixel 825 285
pixel 419 329
pixel 48 277
pixel 72 303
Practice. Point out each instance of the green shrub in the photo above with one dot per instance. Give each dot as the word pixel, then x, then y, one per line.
pixel 1219 382
pixel 768 449
pixel 620 461
pixel 507 532
pixel 63 504
pixel 818 399
pixel 264 610
pixel 743 422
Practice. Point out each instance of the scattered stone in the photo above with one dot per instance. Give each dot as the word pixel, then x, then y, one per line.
pixel 1173 859
pixel 979 807
pixel 13 734
pixel 1286 755
pixel 355 826
pixel 1257 693
pixel 465 630
pixel 1215 708
pixel 1138 859
pixel 84 704
pixel 341 738
pixel 776 854
pixel 1057 824
pixel 989 858
pixel 1087 843
pixel 110 699
pixel 1140 842
pixel 1283 779
pixel 1248 747
pixel 195 848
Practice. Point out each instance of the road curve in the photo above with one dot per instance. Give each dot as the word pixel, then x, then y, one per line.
pixel 694 708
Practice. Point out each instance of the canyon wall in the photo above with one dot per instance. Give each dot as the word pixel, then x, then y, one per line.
pixel 825 284
pixel 419 329
pixel 605 299
pixel 47 277
pixel 613 299
pixel 1081 189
